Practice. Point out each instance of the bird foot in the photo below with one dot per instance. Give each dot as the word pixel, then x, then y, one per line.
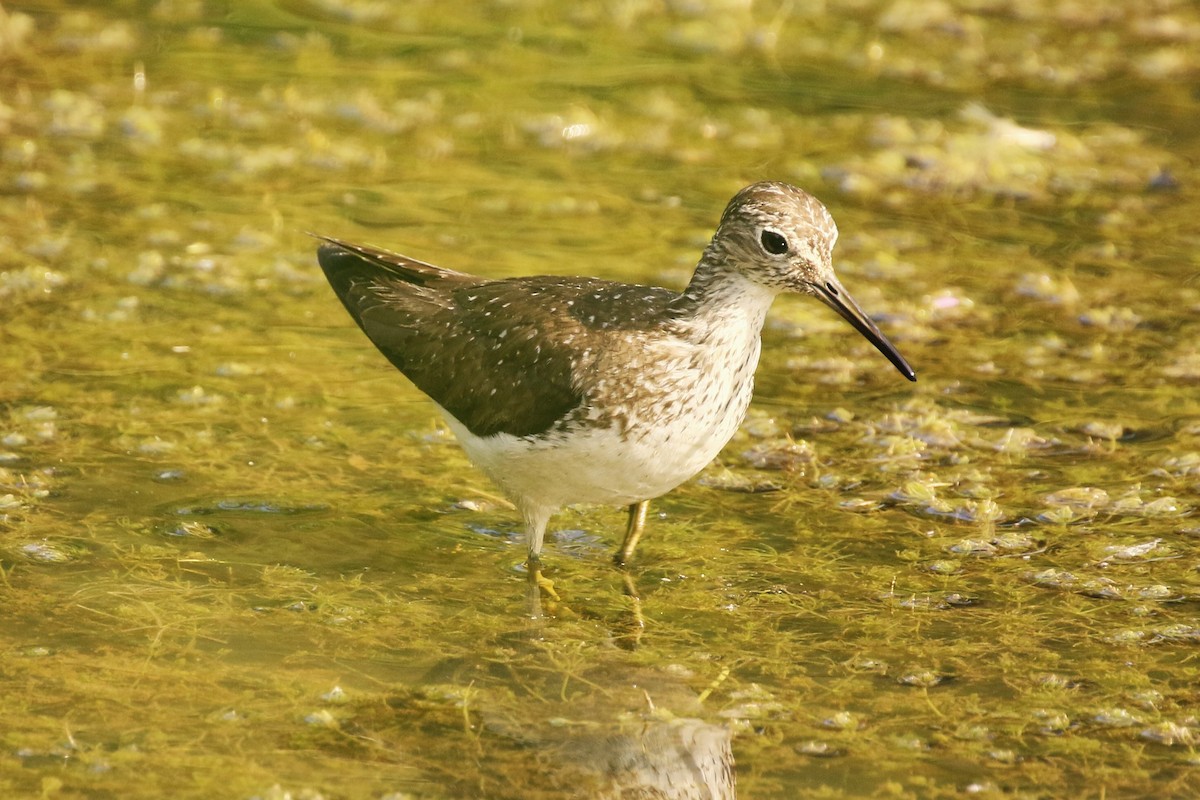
pixel 540 581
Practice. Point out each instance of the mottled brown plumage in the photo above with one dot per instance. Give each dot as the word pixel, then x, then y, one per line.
pixel 496 370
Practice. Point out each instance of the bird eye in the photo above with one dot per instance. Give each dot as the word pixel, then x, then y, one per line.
pixel 773 243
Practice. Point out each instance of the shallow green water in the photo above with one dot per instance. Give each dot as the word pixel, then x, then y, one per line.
pixel 244 558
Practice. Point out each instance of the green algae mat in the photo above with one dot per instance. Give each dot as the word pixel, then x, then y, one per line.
pixel 240 556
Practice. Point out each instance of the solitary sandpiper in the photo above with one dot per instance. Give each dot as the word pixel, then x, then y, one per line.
pixel 579 390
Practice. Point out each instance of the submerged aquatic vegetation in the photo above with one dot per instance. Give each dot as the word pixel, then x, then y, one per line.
pixel 215 505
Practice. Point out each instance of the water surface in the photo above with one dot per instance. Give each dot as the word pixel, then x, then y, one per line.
pixel 242 557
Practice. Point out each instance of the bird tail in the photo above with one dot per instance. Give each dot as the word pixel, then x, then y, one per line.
pixel 344 261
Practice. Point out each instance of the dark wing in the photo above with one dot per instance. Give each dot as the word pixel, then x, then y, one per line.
pixel 486 351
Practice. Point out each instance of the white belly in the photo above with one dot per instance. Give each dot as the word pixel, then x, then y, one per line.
pixel 695 410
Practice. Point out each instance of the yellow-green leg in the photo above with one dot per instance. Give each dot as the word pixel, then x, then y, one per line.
pixel 539 581
pixel 632 636
pixel 633 532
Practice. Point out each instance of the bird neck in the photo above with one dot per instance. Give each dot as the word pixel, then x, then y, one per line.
pixel 720 294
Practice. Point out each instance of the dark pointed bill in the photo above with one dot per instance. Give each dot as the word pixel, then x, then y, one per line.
pixel 833 295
